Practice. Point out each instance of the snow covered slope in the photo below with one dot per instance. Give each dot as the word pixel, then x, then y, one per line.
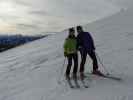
pixel 32 71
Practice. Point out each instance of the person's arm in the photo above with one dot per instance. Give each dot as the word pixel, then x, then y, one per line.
pixel 78 41
pixel 65 48
pixel 92 41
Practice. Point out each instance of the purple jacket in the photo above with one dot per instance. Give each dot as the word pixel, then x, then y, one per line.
pixel 85 41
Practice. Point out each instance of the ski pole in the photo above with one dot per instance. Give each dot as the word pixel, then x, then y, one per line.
pixel 61 71
pixel 102 64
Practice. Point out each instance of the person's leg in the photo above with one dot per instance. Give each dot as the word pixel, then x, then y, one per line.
pixel 75 69
pixel 83 60
pixel 93 57
pixel 69 65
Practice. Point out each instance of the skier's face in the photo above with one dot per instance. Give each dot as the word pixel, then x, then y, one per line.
pixel 79 30
pixel 71 33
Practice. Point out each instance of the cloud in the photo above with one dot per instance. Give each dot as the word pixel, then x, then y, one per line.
pixel 54 15
pixel 123 3
pixel 20 2
pixel 40 13
pixel 7 18
pixel 27 26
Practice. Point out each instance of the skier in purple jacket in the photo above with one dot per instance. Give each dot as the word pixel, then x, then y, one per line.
pixel 86 46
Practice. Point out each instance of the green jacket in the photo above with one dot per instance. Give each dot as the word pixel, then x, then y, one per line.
pixel 70 45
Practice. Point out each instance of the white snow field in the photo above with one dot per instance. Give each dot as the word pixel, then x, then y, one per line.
pixel 32 71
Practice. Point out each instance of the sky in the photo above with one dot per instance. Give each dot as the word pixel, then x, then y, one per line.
pixel 122 3
pixel 40 16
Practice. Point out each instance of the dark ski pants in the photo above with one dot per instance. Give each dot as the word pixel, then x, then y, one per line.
pixel 83 60
pixel 71 57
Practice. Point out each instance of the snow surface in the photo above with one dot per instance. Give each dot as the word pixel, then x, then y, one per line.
pixel 32 71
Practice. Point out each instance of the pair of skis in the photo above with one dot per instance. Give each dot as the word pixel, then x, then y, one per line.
pixel 74 83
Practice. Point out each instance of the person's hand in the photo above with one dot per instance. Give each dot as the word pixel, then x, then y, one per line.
pixel 94 50
pixel 79 48
pixel 65 54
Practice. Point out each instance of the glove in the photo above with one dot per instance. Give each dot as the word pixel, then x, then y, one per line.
pixel 65 54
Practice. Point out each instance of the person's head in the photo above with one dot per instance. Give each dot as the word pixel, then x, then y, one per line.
pixel 79 29
pixel 71 32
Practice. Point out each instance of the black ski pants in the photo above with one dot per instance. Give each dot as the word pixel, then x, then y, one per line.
pixel 72 57
pixel 83 60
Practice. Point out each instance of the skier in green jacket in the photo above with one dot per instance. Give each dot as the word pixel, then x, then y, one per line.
pixel 70 51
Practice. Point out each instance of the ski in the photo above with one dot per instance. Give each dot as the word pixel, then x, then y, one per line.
pixel 80 83
pixel 107 76
pixel 69 83
pixel 84 84
pixel 110 77
pixel 76 83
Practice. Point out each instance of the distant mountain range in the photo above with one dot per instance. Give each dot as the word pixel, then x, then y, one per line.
pixel 10 41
